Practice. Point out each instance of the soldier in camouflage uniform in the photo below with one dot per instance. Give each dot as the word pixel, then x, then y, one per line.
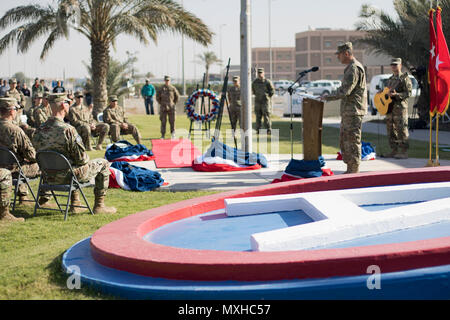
pixel 42 113
pixel 234 94
pixel 13 138
pixel 263 90
pixel 81 118
pixel 37 101
pixel 114 115
pixel 18 95
pixel 397 119
pixel 5 196
pixel 353 95
pixel 167 97
pixel 56 135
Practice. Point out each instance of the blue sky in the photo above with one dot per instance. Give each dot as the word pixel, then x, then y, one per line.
pixel 223 18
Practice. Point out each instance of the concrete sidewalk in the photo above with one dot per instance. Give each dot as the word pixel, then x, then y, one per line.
pixel 186 179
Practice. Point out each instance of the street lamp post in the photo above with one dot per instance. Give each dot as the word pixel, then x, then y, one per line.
pixel 270 38
pixel 221 57
pixel 246 63
pixel 182 61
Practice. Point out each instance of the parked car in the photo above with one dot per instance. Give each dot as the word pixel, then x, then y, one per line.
pixel 321 87
pixel 282 84
pixel 378 82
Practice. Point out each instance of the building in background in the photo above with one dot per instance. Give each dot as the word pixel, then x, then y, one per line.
pixel 317 48
pixel 283 62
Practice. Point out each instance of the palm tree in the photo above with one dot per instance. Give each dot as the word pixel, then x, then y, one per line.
pixel 101 22
pixel 208 58
pixel 405 36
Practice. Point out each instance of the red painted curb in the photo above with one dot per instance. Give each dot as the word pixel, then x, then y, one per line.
pixel 119 245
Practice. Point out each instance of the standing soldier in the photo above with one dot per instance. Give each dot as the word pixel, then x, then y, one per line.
pixel 5 196
pixel 353 95
pixel 13 138
pixel 20 98
pixel 397 119
pixel 81 118
pixel 234 94
pixel 56 135
pixel 167 97
pixel 263 90
pixel 114 115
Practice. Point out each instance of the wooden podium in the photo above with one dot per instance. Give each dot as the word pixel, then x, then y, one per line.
pixel 312 114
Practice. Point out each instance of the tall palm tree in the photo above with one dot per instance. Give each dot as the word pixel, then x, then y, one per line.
pixel 208 59
pixel 101 22
pixel 405 35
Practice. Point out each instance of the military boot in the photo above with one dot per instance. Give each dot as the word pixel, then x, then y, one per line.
pixel 44 202
pixel 390 155
pixel 6 216
pixel 402 154
pixel 25 201
pixel 75 201
pixel 101 138
pixel 99 206
pixel 352 168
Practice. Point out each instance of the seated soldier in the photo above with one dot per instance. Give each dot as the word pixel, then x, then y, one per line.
pixel 114 115
pixel 82 119
pixel 5 196
pixel 37 101
pixel 56 135
pixel 15 139
pixel 42 112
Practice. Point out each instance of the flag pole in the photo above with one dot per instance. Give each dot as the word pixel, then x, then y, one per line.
pixel 430 161
pixel 436 164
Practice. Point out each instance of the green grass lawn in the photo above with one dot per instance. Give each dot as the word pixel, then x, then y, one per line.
pixel 31 252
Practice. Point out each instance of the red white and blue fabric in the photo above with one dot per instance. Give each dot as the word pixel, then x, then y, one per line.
pixel 220 157
pixel 132 178
pixel 125 151
pixel 367 152
pixel 190 105
pixel 303 169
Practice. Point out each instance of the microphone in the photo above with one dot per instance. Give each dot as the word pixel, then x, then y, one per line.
pixel 313 69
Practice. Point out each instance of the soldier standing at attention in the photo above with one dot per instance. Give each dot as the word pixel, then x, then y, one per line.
pixel 20 98
pixel 234 94
pixel 56 135
pixel 167 97
pixel 114 115
pixel 353 96
pixel 82 119
pixel 263 90
pixel 13 138
pixel 397 119
pixel 5 196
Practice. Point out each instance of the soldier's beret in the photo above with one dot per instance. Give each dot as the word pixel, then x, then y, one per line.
pixel 8 103
pixel 260 70
pixel 166 78
pixel 396 61
pixel 235 78
pixel 348 46
pixel 113 98
pixel 78 94
pixel 58 98
pixel 13 80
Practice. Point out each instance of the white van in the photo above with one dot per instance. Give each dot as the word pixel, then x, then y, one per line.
pixel 378 83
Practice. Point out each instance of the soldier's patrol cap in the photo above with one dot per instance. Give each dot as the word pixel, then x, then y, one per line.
pixel 78 94
pixel 8 103
pixel 38 95
pixel 348 46
pixel 13 80
pixel 166 78
pixel 113 98
pixel 260 70
pixel 396 61
pixel 58 98
pixel 235 78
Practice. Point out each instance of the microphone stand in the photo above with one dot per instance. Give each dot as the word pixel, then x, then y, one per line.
pixel 291 90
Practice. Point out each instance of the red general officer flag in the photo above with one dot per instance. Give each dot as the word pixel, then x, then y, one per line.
pixel 442 68
pixel 432 65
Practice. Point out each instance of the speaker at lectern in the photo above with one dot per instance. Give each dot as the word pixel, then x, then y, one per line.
pixel 312 114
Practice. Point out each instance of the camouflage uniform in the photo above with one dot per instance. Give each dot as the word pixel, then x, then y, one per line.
pixel 167 97
pixel 353 95
pixel 41 114
pixel 263 90
pixel 16 94
pixel 56 135
pixel 397 120
pixel 234 94
pixel 5 187
pixel 115 117
pixel 81 118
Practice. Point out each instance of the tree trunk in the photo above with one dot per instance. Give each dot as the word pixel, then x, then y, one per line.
pixel 100 65
pixel 207 76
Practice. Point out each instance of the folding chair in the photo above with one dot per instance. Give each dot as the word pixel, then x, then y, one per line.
pixel 51 162
pixel 100 119
pixel 7 159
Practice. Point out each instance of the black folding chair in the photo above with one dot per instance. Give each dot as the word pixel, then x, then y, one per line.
pixel 8 159
pixel 51 162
